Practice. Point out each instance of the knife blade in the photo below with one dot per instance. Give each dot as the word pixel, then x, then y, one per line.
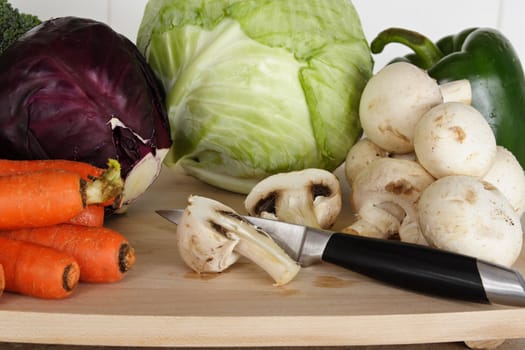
pixel 409 266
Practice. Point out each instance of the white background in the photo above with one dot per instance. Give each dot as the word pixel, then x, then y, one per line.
pixel 433 18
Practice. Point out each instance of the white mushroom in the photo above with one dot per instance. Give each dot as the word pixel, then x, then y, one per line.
pixel 507 175
pixel 360 155
pixel 310 197
pixel 395 98
pixel 211 237
pixel 384 196
pixel 454 139
pixel 465 215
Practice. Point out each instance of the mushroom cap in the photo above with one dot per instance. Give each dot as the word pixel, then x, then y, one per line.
pixel 454 139
pixel 465 215
pixel 507 175
pixel 389 182
pixel 362 153
pixel 201 243
pixel 296 196
pixel 393 101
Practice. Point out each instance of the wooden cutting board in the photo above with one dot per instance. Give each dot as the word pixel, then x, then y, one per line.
pixel 162 303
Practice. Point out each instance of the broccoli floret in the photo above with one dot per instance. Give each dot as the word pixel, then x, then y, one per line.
pixel 13 24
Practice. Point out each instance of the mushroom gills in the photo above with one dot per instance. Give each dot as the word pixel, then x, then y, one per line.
pixel 310 197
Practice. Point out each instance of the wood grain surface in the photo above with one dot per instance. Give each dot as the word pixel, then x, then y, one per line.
pixel 162 303
pixel 515 344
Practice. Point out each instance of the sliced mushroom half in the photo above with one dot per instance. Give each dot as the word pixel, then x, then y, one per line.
pixel 310 197
pixel 212 236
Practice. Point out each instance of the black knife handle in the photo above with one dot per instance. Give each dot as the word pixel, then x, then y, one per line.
pixel 409 266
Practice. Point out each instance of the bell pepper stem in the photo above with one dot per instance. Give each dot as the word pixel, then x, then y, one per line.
pixel 426 51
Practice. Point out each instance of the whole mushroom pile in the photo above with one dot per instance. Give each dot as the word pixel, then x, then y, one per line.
pixel 428 169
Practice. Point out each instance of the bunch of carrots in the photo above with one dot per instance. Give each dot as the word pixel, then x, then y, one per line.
pixel 51 227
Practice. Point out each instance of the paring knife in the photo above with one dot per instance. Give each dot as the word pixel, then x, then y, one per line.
pixel 409 266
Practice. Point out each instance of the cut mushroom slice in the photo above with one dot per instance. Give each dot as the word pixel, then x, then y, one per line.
pixel 465 215
pixel 384 197
pixel 211 237
pixel 310 197
pixel 454 139
pixel 395 98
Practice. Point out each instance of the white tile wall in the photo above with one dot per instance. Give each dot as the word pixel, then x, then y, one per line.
pixel 45 9
pixel 433 18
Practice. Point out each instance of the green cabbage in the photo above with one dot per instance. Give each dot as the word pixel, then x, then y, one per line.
pixel 257 87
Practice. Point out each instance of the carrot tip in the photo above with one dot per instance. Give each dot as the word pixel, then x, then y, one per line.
pixel 70 277
pixel 126 257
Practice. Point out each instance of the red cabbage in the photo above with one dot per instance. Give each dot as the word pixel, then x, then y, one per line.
pixel 73 88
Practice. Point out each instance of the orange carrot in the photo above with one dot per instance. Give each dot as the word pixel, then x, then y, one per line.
pixel 13 167
pixel 92 215
pixel 85 170
pixel 50 197
pixel 39 198
pixel 2 279
pixel 36 270
pixel 103 254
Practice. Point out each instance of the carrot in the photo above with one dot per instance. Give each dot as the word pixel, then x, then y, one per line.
pixel 39 198
pixel 14 167
pixel 85 170
pixel 37 271
pixel 92 215
pixel 103 254
pixel 50 197
pixel 2 279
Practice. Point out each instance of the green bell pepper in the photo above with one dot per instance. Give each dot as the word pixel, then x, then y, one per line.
pixel 487 59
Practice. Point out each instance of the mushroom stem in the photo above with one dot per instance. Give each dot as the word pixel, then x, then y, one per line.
pixel 298 208
pixel 410 232
pixel 257 246
pixel 366 229
pixel 457 91
pixel 380 220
